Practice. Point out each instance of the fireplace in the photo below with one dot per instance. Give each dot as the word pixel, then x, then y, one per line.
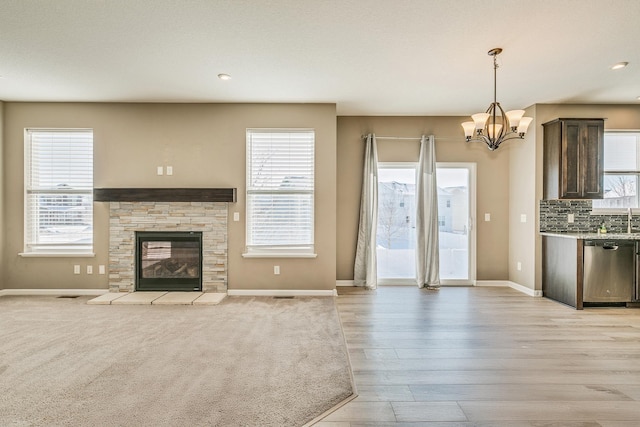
pixel 128 218
pixel 168 261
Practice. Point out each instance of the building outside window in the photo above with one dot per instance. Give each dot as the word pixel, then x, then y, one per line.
pixel 58 191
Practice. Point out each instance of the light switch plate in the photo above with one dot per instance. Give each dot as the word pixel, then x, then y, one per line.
pixel 169 170
pixel 276 269
pixel 236 216
pixel 487 217
pixel 89 269
pixel 76 269
pixel 523 218
pixel 101 269
pixel 160 170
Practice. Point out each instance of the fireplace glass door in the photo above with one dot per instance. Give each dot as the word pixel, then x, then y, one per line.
pixel 168 261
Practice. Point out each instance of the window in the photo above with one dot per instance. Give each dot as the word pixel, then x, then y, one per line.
pixel 280 192
pixel 621 171
pixel 58 191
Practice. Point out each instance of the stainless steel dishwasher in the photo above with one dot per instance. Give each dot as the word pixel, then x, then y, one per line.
pixel 609 272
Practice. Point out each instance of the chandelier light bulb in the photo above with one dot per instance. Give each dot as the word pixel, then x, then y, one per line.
pixel 514 117
pixel 469 128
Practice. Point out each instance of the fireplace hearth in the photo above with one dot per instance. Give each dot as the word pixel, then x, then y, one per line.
pixel 168 261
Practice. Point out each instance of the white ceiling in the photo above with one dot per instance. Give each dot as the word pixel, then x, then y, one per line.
pixel 370 57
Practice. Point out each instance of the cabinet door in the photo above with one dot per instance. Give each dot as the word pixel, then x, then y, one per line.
pixel 592 155
pixel 572 169
pixel 573 159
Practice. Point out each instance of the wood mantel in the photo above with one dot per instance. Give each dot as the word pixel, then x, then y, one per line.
pixel 164 195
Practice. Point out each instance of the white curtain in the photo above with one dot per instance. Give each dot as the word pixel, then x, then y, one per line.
pixel 427 252
pixel 365 268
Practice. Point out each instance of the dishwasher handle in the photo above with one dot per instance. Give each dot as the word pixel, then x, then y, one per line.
pixel 610 247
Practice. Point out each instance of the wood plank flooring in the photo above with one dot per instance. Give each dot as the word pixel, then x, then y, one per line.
pixel 462 357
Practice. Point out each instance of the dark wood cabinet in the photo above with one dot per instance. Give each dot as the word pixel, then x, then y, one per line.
pixel 573 159
pixel 563 270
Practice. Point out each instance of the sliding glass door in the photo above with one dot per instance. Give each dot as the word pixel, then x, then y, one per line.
pixel 456 220
pixel 396 236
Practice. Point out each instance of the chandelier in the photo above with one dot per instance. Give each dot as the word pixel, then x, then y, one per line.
pixel 495 126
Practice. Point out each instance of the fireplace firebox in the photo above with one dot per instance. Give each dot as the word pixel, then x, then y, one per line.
pixel 168 261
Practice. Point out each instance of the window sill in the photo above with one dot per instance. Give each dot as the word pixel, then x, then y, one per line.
pixel 614 211
pixel 279 255
pixel 57 254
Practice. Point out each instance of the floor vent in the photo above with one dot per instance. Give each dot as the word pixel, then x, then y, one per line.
pixel 68 296
pixel 284 297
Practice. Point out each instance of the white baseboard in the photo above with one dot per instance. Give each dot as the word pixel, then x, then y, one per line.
pixel 344 283
pixel 525 290
pixel 61 292
pixel 510 284
pixel 504 283
pixel 282 292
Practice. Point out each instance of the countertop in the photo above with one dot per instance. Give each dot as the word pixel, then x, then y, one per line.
pixel 594 236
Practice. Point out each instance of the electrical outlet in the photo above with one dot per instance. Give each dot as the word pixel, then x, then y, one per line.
pixel 519 266
pixel 276 269
pixel 76 269
pixel 570 218
pixel 487 217
pixel 523 217
pixel 169 170
pixel 160 170
pixel 101 269
pixel 89 269
pixel 236 216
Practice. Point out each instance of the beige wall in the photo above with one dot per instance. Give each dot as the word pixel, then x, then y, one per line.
pixel 522 201
pixel 492 182
pixel 526 179
pixel 2 205
pixel 205 144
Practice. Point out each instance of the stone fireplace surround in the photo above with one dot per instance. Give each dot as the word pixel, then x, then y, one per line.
pixel 167 209
pixel 125 218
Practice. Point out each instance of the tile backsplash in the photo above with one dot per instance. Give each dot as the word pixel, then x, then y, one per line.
pixel 554 218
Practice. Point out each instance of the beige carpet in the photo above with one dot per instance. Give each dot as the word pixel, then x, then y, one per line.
pixel 245 362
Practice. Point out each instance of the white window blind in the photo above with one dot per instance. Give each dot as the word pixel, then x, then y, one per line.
pixel 621 171
pixel 58 190
pixel 280 191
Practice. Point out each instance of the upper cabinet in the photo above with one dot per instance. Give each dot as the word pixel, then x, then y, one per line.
pixel 573 159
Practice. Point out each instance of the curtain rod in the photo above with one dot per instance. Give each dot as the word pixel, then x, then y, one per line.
pixel 409 138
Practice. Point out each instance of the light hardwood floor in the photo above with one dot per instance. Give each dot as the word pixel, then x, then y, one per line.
pixel 487 357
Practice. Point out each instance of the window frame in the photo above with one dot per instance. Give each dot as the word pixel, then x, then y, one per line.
pixel 291 250
pixel 32 247
pixel 636 173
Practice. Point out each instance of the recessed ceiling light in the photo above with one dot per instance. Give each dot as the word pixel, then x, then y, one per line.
pixel 619 65
pixel 223 76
